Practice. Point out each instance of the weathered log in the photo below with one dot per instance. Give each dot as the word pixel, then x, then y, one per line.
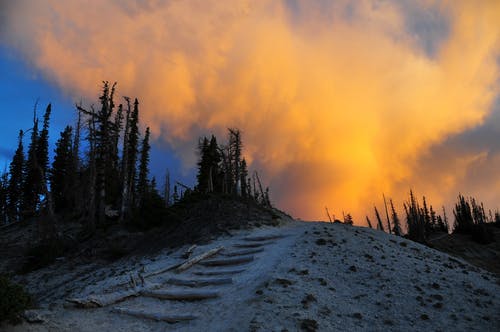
pixel 228 261
pixel 158 316
pixel 252 245
pixel 198 258
pixel 243 252
pixel 181 295
pixel 199 282
pixel 218 273
pixel 103 300
pixel 189 252
pixel 263 238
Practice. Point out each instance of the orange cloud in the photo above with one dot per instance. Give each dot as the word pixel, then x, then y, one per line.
pixel 338 101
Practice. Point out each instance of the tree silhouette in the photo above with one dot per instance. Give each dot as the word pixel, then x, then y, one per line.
pixel 15 184
pixel 62 172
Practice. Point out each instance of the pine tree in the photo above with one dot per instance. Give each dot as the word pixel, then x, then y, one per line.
pixel 203 177
pixel 142 183
pixel 395 220
pixel 445 221
pixel 132 151
pixel 464 221
pixel 348 219
pixel 62 173
pixel 32 179
pixel 166 191
pixel 434 221
pixel 175 196
pixel 243 179
pixel 234 157
pixel 215 179
pixel 16 179
pixel 415 219
pixel 42 148
pixel 4 186
pixel 427 217
pixel 101 168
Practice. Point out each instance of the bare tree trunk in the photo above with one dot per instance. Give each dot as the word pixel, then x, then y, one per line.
pixel 260 187
pixel 167 189
pixel 387 215
pixel 125 197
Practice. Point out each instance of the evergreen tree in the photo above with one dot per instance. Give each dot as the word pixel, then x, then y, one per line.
pixel 464 221
pixel 427 217
pixel 245 190
pixel 395 220
pixel 445 221
pixel 175 196
pixel 434 221
pixel 15 183
pixel 32 178
pixel 215 179
pixel 42 148
pixel 4 186
pixel 61 175
pixel 132 151
pixel 142 183
pixel 166 190
pixel 348 219
pixel 203 177
pixel 415 219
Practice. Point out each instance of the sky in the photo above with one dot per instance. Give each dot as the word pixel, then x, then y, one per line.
pixel 338 101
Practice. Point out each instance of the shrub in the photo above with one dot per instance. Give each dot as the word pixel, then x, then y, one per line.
pixel 482 234
pixel 43 254
pixel 13 301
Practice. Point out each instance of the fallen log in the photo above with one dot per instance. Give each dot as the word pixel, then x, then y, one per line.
pixel 243 252
pixel 182 266
pixel 181 295
pixel 228 261
pixel 252 245
pixel 199 282
pixel 95 301
pixel 198 258
pixel 157 316
pixel 218 273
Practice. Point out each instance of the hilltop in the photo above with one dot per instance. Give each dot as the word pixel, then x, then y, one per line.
pixel 283 277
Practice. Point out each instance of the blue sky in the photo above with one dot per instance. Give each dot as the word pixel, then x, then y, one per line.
pixel 22 86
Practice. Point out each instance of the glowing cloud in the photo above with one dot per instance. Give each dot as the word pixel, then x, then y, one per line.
pixel 338 101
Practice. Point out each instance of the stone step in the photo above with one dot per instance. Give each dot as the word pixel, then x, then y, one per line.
pixel 263 238
pixel 199 282
pixel 181 295
pixel 252 245
pixel 227 261
pixel 218 273
pixel 157 316
pixel 243 252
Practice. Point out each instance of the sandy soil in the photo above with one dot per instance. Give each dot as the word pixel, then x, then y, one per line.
pixel 312 277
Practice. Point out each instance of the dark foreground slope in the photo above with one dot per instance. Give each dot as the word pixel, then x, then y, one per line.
pixel 486 256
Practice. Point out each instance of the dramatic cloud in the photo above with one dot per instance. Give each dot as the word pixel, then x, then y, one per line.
pixel 338 101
